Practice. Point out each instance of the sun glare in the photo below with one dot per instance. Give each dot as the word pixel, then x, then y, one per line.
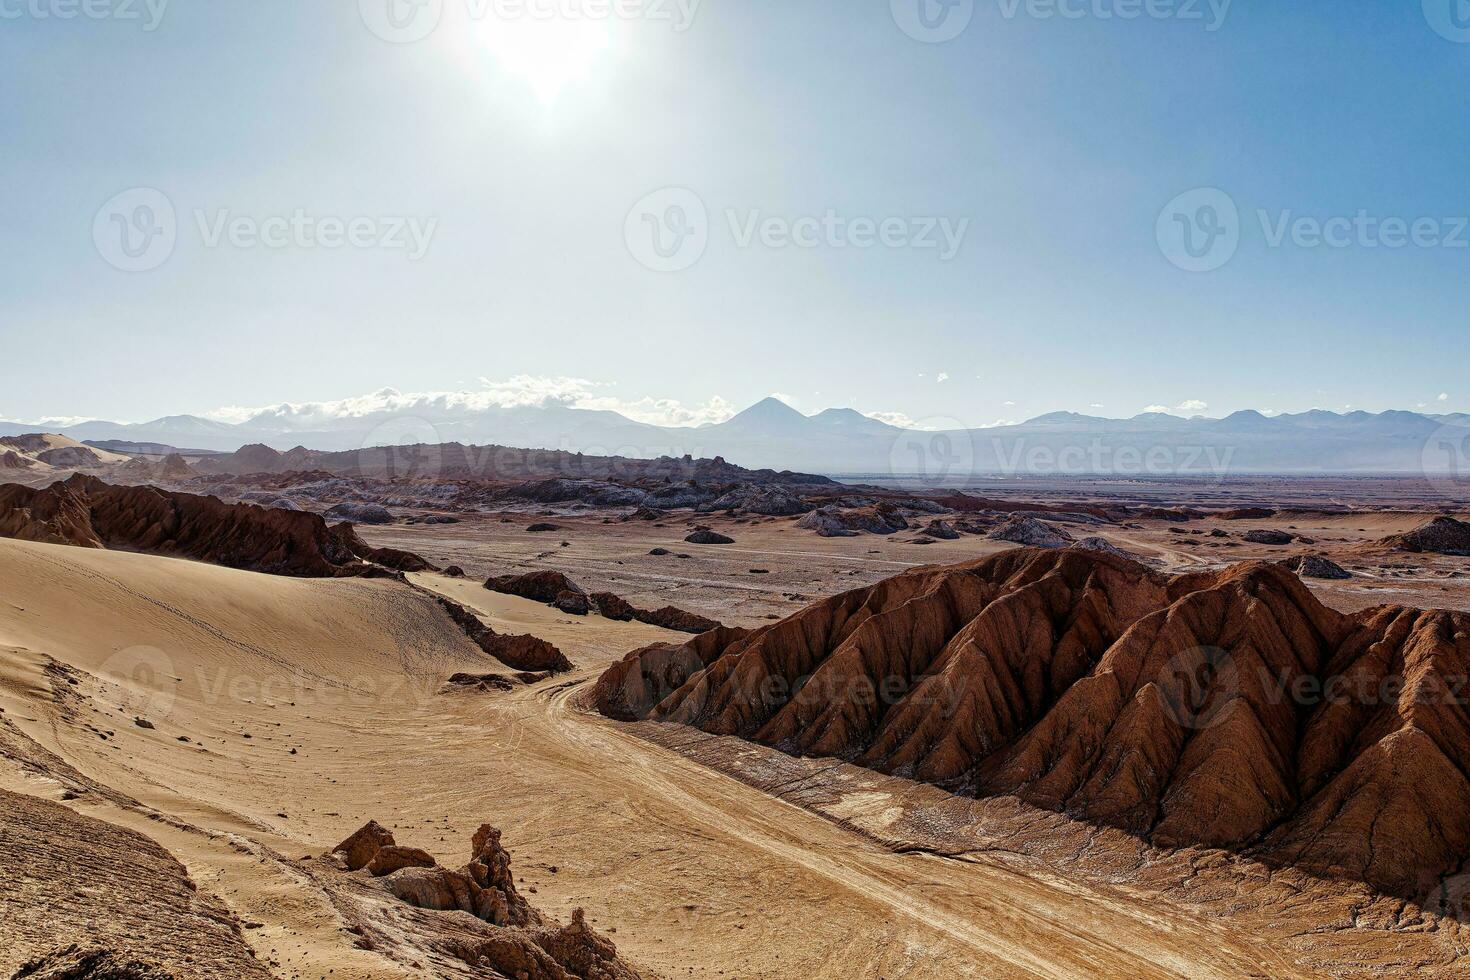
pixel 546 55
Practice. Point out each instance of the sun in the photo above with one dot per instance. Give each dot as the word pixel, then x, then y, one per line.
pixel 547 54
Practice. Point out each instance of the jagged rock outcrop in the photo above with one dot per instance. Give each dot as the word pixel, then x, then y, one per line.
pixel 360 513
pixel 544 586
pixel 1225 709
pixel 598 493
pixel 632 687
pixel 1032 533
pixel 494 927
pixel 12 460
pixel 85 512
pixel 1441 536
pixel 524 653
pixel 555 589
pixel 1316 566
pixel 772 501
pixel 674 618
pixel 832 521
pixel 85 961
pixel 1105 546
pixel 942 530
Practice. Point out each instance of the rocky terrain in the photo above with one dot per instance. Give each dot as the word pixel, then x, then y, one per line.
pixel 1441 536
pixel 85 898
pixel 85 512
pixel 40 454
pixel 1223 709
pixel 453 460
pixel 473 921
pixel 555 589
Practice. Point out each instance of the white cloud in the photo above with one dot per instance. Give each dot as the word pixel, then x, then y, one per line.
pixel 50 422
pixel 998 423
pixel 1444 396
pixel 1010 404
pixel 521 391
pixel 1096 405
pixel 895 418
pixel 1190 406
pixel 943 377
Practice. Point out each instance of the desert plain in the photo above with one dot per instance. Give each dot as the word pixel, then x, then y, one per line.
pixel 227 728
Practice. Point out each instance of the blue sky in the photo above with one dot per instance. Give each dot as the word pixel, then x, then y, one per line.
pixel 499 171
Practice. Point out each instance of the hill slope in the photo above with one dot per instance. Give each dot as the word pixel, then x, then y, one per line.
pixel 1229 709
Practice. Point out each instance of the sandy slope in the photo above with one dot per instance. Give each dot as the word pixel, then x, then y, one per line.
pixel 699 874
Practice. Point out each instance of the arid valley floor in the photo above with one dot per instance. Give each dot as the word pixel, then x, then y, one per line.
pixel 245 723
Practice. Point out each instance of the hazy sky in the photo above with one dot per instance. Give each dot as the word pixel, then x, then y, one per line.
pixel 985 227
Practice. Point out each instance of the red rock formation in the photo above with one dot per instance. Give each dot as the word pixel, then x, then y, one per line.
pixel 510 937
pixel 1443 535
pixel 554 588
pixel 88 513
pixel 525 653
pixel 545 586
pixel 1227 709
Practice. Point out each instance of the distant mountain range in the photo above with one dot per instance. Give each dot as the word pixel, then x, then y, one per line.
pixel 845 442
